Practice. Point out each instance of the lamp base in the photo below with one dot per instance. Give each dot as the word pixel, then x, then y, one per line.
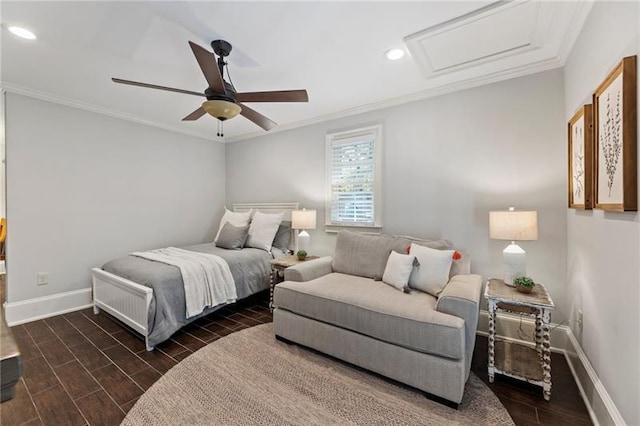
pixel 515 263
pixel 304 241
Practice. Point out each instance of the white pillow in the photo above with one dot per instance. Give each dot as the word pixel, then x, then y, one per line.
pixel 433 272
pixel 263 229
pixel 236 219
pixel 398 270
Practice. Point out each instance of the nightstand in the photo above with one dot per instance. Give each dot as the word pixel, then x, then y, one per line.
pixel 279 265
pixel 532 365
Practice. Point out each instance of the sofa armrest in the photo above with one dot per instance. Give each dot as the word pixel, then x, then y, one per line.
pixel 461 298
pixel 308 270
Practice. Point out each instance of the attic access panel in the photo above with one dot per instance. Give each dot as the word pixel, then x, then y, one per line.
pixel 498 31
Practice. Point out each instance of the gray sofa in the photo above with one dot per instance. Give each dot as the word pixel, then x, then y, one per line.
pixel 338 306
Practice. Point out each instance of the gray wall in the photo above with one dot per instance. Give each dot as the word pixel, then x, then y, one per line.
pixel 447 162
pixel 83 188
pixel 603 276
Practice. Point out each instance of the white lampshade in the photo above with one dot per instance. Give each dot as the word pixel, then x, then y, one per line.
pixel 513 226
pixel 303 219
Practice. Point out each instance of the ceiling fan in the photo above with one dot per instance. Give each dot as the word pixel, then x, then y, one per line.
pixel 223 102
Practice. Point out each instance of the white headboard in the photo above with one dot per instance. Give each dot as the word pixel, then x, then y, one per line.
pixel 287 208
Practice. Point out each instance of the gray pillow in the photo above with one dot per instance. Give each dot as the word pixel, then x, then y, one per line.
pixel 401 244
pixel 283 236
pixel 362 255
pixel 232 237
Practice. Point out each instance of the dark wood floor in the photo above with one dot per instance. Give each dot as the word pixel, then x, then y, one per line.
pixel 81 368
pixel 525 402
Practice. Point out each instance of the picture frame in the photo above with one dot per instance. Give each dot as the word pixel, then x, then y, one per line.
pixel 580 159
pixel 615 139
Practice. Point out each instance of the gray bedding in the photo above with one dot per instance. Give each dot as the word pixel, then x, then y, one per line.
pixel 250 269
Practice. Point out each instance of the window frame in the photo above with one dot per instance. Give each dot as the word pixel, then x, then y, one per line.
pixel 375 132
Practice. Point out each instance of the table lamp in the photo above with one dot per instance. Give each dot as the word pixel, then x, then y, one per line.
pixel 303 219
pixel 514 226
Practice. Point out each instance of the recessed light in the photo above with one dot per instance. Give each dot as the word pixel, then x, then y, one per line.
pixel 22 32
pixel 394 54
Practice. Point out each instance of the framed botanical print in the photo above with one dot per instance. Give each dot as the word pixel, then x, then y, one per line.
pixel 615 121
pixel 580 134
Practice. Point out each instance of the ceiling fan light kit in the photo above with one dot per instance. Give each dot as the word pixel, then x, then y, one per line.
pixel 222 110
pixel 223 102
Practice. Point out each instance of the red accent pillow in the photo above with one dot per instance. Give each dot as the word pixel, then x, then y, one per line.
pixel 409 249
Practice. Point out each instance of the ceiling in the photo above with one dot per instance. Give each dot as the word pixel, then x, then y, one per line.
pixel 332 49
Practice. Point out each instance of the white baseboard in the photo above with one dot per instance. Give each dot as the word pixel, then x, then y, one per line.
pixel 600 406
pixel 47 306
pixel 598 401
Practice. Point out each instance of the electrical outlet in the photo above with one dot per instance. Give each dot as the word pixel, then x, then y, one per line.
pixel 579 321
pixel 42 278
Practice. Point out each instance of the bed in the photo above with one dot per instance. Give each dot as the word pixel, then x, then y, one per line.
pixel 149 296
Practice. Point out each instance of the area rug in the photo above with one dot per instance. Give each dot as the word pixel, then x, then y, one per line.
pixel 250 378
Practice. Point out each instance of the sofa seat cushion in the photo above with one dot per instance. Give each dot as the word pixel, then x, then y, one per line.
pixel 376 310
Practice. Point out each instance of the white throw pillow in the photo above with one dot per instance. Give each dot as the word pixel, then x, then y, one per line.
pixel 236 219
pixel 433 272
pixel 398 270
pixel 263 229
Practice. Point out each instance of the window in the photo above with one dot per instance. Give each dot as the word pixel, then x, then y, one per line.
pixel 353 162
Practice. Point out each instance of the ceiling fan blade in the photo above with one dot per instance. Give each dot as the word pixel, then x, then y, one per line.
pixel 273 96
pixel 155 86
pixel 209 67
pixel 195 115
pixel 256 117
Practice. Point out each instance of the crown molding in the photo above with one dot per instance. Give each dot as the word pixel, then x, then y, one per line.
pixel 447 85
pixel 361 109
pixel 573 30
pixel 412 97
pixel 61 100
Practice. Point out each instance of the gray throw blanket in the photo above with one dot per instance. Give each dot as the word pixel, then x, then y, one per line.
pixel 206 277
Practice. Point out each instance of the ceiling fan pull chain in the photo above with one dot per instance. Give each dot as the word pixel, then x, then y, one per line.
pixel 220 128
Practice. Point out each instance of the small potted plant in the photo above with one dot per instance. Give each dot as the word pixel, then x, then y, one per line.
pixel 524 284
pixel 302 255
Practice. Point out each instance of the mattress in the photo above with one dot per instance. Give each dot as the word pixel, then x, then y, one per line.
pixel 250 269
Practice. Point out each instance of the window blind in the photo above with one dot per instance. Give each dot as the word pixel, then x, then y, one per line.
pixel 353 182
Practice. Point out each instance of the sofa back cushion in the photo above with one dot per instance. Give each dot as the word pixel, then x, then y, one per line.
pixel 366 255
pixel 401 244
pixel 461 266
pixel 362 255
